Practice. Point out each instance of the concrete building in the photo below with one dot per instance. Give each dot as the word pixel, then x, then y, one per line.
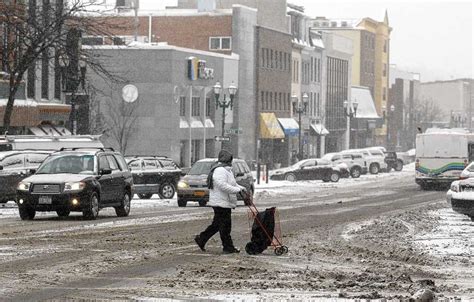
pixel 307 59
pixel 222 31
pixel 273 80
pixel 371 55
pixel 337 63
pixel 166 106
pixel 405 119
pixel 39 106
pixel 454 98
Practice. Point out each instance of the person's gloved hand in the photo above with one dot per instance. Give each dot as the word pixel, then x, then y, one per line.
pixel 243 191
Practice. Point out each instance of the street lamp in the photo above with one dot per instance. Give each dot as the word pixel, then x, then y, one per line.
pixel 70 83
pixel 351 111
pixel 224 104
pixel 299 106
pixel 388 116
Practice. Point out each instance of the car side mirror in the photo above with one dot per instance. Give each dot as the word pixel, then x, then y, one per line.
pixel 32 171
pixel 105 171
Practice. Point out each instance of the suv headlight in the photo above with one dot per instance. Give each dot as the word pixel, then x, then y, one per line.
pixel 455 187
pixel 24 186
pixel 183 185
pixel 74 186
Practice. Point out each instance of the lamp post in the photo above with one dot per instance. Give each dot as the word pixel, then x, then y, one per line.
pixel 71 79
pixel 224 104
pixel 388 116
pixel 299 106
pixel 351 111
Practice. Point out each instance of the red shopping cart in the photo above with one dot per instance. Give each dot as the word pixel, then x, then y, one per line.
pixel 265 229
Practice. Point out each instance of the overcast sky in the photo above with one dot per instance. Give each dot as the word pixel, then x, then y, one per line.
pixel 434 38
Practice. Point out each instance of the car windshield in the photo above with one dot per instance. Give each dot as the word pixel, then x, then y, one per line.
pixel 328 156
pixel 201 167
pixel 299 164
pixel 470 168
pixel 70 164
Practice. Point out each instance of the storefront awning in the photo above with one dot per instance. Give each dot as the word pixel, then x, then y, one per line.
pixel 319 129
pixel 25 113
pixel 366 107
pixel 290 126
pixel 269 126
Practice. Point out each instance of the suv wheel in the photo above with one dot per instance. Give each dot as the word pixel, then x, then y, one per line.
pixel 26 213
pixel 124 209
pixel 181 202
pixel 399 165
pixel 63 212
pixel 145 195
pixel 374 169
pixel 166 191
pixel 202 203
pixel 334 177
pixel 93 211
pixel 355 172
pixel 290 177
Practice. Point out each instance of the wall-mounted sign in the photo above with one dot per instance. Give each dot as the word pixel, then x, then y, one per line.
pixel 197 70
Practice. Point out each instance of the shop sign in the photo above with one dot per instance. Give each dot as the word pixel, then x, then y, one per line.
pixel 197 70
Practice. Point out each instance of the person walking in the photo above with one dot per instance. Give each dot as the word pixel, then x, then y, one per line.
pixel 222 198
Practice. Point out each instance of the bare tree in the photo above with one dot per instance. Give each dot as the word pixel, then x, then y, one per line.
pixel 43 31
pixel 427 111
pixel 113 117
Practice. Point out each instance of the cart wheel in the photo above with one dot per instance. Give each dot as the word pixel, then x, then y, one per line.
pixel 279 251
pixel 285 249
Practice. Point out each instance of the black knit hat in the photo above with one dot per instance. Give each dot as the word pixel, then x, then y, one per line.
pixel 225 157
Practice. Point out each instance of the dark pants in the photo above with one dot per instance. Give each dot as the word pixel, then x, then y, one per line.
pixel 221 223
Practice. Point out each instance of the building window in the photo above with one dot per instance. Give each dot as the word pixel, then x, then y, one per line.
pixel 182 106
pixel 262 99
pixel 384 97
pixel 385 46
pixel 384 69
pixel 92 40
pixel 195 109
pixel 220 43
pixel 262 51
pixel 266 100
pixel 208 107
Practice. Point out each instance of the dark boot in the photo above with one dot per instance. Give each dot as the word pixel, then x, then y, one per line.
pixel 231 250
pixel 200 243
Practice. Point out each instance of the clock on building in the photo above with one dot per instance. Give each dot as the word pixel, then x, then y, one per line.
pixel 129 93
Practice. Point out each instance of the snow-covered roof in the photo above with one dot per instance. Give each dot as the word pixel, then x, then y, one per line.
pixel 135 45
pixel 170 12
pixel 20 103
pixel 366 106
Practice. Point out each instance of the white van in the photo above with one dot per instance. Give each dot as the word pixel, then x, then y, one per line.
pixel 441 155
pixel 33 142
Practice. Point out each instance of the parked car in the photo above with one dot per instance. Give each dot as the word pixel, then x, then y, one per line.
pixel 15 166
pixel 154 175
pixel 461 197
pixel 392 161
pixel 308 169
pixel 353 159
pixel 375 159
pixel 193 186
pixel 83 180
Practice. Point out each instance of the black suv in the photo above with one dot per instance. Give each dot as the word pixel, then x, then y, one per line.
pixel 393 162
pixel 15 166
pixel 82 180
pixel 154 175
